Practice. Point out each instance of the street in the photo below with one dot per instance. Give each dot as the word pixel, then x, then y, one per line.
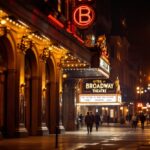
pixel 112 137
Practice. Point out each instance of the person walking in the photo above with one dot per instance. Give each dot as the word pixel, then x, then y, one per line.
pixel 91 121
pixel 134 121
pixel 88 121
pixel 142 119
pixel 81 120
pixel 97 121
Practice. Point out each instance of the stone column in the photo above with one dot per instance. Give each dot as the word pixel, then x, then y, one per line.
pixel 69 114
pixel 43 129
pixel 61 127
pixel 21 130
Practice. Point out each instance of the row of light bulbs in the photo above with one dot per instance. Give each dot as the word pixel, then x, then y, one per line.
pixel 5 19
pixel 74 65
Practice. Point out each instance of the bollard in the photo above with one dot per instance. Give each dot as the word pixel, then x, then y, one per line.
pixel 56 136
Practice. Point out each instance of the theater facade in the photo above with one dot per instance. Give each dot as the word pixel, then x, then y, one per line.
pixel 41 64
pixel 99 96
pixel 47 74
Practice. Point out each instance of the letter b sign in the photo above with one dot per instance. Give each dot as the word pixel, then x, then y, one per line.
pixel 83 16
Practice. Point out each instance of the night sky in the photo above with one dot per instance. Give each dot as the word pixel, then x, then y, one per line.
pixel 137 16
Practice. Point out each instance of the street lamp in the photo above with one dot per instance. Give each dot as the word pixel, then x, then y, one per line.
pixel 62 76
pixel 140 91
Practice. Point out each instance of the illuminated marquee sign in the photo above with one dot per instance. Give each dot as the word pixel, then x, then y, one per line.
pixel 96 86
pixel 83 16
pixel 100 98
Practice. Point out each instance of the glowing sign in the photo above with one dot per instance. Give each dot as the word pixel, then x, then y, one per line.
pixel 83 16
pixel 100 98
pixel 104 65
pixel 98 86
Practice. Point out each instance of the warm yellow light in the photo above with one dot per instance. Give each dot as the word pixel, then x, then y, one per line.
pixel 64 76
pixel 121 108
pixel 66 56
pixel 142 92
pixel 139 105
pixel 3 22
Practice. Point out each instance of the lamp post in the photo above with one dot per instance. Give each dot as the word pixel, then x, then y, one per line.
pixel 139 91
pixel 61 78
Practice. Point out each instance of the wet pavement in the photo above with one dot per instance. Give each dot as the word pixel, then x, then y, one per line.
pixel 107 138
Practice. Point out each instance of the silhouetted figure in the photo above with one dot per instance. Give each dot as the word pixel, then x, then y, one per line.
pixel 88 121
pixel 134 121
pixel 92 121
pixel 142 119
pixel 97 120
pixel 81 119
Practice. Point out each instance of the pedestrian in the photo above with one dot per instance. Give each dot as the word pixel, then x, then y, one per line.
pixel 134 121
pixel 88 121
pixel 91 121
pixel 97 120
pixel 142 119
pixel 81 120
pixel 77 122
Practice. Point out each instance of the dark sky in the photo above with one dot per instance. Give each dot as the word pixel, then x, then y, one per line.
pixel 137 15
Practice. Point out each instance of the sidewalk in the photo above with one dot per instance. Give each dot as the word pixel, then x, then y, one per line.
pixel 112 137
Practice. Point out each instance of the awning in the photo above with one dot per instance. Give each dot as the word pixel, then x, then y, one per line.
pixel 85 73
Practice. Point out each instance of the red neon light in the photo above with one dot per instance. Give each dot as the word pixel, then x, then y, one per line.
pixel 55 21
pixel 83 16
pixel 69 27
pixel 78 38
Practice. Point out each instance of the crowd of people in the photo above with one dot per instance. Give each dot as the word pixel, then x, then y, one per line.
pixel 134 119
pixel 90 119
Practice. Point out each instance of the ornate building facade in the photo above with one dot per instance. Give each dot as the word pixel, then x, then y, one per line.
pixel 33 51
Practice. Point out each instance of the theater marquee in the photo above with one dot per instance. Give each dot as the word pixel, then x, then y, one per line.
pixel 98 86
pixel 99 92
pixel 100 98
